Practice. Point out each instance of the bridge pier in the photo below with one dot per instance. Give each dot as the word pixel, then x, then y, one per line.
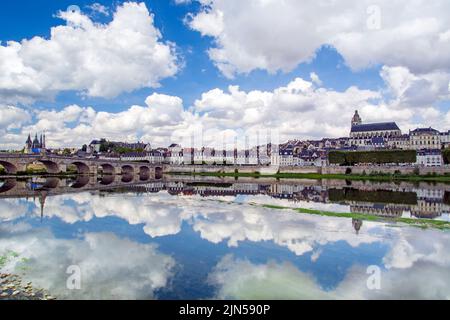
pixel 93 180
pixel 93 169
pixel 62 168
pixel 20 168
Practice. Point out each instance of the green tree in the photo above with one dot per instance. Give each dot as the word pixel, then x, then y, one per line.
pixel 377 157
pixel 446 156
pixel 123 150
pixel 379 196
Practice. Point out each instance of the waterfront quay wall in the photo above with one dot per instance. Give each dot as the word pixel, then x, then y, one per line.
pixel 367 185
pixel 239 169
pixel 405 170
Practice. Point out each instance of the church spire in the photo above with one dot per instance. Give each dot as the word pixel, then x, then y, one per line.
pixel 42 198
pixel 357 224
pixel 29 142
pixel 35 141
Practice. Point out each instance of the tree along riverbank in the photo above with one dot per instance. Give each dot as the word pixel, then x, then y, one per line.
pixel 39 170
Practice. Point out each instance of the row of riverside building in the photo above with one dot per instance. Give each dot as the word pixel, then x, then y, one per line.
pixel 177 155
pixel 428 143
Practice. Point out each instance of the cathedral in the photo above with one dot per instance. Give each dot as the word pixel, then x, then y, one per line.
pixel 36 145
pixel 372 135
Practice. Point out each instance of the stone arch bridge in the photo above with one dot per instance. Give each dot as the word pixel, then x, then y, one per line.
pixel 16 163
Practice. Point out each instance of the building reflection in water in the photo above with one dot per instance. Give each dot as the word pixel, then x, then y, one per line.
pixel 357 224
pixel 424 202
pixel 379 209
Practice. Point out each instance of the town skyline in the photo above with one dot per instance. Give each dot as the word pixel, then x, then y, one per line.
pixel 430 148
pixel 263 137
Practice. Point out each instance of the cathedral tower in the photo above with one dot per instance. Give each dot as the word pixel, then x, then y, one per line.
pixel 356 120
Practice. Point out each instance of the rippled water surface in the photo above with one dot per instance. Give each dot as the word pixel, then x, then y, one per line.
pixel 180 238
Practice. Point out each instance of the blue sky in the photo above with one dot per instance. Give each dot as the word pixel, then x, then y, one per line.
pixel 280 56
pixel 198 74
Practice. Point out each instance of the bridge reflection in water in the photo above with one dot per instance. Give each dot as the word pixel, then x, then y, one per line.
pixel 26 187
pixel 385 200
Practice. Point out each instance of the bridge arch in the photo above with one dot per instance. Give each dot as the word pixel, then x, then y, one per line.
pixel 80 182
pixel 50 166
pixel 107 180
pixel 9 167
pixel 107 168
pixel 127 169
pixel 51 183
pixel 82 168
pixel 144 173
pixel 7 185
pixel 127 178
pixel 158 173
pixel 144 170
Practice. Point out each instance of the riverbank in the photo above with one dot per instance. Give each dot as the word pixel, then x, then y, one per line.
pixel 40 170
pixel 219 172
pixel 318 176
pixel 422 223
pixel 12 287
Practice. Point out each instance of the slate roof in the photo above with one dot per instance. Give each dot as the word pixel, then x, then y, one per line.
pixel 425 130
pixel 429 152
pixel 375 127
pixel 286 152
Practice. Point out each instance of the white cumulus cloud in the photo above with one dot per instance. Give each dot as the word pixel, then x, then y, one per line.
pixel 279 35
pixel 301 109
pixel 100 60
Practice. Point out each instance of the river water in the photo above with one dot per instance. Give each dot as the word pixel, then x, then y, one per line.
pixel 211 238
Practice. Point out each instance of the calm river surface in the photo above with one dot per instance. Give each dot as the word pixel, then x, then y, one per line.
pixel 210 238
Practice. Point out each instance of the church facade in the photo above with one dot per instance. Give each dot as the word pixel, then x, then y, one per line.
pixel 37 145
